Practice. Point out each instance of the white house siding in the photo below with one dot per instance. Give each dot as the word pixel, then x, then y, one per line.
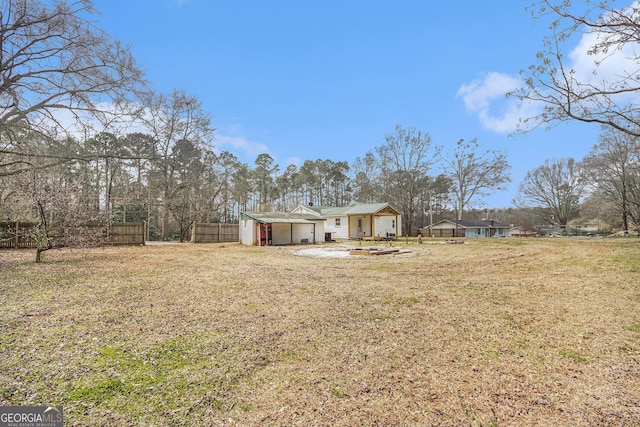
pixel 323 227
pixel 484 232
pixel 337 231
pixel 384 225
pixel 370 224
pixel 306 232
pixel 247 232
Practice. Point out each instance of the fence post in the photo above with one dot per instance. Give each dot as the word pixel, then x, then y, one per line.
pixel 17 233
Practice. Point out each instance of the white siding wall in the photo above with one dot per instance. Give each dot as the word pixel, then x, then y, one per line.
pixel 384 225
pixel 337 232
pixel 305 231
pixel 247 232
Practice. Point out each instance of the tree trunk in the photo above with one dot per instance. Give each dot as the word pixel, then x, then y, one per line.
pixel 165 222
pixel 39 254
pixel 625 216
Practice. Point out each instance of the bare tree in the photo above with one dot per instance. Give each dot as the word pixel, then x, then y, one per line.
pixel 55 62
pixel 170 120
pixel 597 95
pixel 404 162
pixel 555 189
pixel 614 171
pixel 365 180
pixel 56 67
pixel 435 196
pixel 52 199
pixel 475 174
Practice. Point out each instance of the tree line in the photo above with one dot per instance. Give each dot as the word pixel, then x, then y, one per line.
pixel 70 96
pixel 172 177
pixel 603 186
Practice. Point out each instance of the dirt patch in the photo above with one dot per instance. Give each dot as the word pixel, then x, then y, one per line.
pixel 347 251
pixel 324 252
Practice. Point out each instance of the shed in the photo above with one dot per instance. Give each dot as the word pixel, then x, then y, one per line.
pixel 278 228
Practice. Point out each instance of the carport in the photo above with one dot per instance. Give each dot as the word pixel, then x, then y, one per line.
pixel 278 228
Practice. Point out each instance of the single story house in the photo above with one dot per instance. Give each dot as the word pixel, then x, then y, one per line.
pixel 521 232
pixel 466 228
pixel 358 220
pixel 278 228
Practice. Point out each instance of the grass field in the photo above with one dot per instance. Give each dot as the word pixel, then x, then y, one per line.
pixel 495 332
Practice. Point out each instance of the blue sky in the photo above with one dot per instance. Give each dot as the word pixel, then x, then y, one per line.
pixel 306 80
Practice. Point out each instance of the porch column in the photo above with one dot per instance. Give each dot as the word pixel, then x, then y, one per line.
pixel 373 226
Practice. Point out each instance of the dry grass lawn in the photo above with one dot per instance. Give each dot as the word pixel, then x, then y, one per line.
pixel 495 332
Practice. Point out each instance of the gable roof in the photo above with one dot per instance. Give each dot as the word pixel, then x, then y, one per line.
pixel 356 209
pixel 281 217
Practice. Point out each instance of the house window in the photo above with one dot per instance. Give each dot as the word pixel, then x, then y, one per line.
pixel 393 224
pixel 337 222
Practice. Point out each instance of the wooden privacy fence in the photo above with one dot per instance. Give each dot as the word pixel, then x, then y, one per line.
pixel 126 233
pixel 215 233
pixel 17 235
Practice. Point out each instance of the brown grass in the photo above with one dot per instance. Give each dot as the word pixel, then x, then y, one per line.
pixel 494 332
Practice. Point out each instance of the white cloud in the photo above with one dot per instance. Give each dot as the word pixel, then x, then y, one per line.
pixel 293 161
pixel 250 149
pixel 487 97
pixel 86 126
pixel 613 67
pixel 478 94
pixel 83 125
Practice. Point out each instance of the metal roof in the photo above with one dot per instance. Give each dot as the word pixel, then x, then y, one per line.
pixel 355 209
pixel 281 217
pixel 369 208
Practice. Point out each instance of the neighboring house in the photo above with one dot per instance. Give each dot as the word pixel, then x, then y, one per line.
pixel 276 228
pixel 464 228
pixel 521 232
pixel 358 220
pixel 588 229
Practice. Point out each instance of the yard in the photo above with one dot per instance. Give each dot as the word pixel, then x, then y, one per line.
pixel 498 332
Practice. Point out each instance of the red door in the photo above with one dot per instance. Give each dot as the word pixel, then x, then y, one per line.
pixel 264 231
